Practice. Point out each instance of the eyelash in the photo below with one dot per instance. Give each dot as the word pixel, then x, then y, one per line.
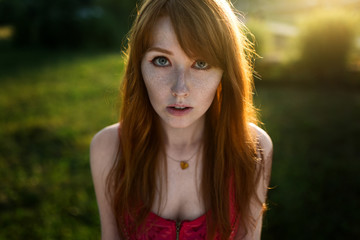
pixel 158 57
pixel 153 61
pixel 207 65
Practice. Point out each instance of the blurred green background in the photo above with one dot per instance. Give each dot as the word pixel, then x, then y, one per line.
pixel 60 68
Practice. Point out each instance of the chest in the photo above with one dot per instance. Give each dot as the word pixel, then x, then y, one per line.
pixel 180 197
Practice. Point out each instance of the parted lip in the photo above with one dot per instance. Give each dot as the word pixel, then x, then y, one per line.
pixel 180 105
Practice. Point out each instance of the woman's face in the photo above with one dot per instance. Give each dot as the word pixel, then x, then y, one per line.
pixel 180 89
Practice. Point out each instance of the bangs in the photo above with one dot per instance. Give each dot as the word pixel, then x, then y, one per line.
pixel 198 30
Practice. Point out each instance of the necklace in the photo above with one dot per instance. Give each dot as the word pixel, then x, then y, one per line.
pixel 184 164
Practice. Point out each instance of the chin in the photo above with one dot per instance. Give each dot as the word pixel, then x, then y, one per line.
pixel 182 123
pixel 178 124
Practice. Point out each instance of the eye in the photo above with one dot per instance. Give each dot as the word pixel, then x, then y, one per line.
pixel 160 61
pixel 202 65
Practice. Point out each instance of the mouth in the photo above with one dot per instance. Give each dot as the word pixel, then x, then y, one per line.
pixel 178 110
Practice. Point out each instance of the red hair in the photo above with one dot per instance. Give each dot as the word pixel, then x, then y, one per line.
pixel 209 30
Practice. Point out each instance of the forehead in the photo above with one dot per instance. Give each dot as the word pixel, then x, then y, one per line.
pixel 163 34
pixel 183 39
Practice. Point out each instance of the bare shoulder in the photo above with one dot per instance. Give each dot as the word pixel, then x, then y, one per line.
pixel 264 139
pixel 103 150
pixel 105 136
pixel 105 143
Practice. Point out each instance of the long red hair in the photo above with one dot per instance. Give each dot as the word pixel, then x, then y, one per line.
pixel 209 30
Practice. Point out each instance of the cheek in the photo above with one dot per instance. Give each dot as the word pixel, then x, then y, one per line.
pixel 208 84
pixel 148 76
pixel 154 84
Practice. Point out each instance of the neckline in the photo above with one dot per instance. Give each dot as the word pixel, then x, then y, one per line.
pixel 199 219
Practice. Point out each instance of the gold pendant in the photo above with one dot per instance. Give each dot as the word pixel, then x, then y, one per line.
pixel 184 165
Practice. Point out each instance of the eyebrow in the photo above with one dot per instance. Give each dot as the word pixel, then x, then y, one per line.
pixel 160 50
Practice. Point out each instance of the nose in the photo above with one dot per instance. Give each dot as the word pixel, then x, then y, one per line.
pixel 180 88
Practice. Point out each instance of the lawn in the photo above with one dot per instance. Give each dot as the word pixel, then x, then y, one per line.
pixel 52 103
pixel 315 179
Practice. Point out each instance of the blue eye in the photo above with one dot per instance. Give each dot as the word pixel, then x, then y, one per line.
pixel 202 65
pixel 161 61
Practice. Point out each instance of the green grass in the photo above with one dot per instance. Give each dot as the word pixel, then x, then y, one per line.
pixel 316 162
pixel 52 103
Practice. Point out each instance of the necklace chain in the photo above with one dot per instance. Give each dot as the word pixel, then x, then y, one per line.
pixel 185 160
pixel 184 163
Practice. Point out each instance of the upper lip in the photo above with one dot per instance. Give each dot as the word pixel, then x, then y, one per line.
pixel 179 105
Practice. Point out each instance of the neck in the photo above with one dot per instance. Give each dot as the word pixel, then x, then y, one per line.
pixel 184 141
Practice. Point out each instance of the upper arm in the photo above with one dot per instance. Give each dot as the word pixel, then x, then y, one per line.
pixel 256 208
pixel 103 150
pixel 266 152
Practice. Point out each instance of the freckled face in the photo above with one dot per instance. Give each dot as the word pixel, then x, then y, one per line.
pixel 180 89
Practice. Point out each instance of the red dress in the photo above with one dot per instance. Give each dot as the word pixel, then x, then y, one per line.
pixel 158 228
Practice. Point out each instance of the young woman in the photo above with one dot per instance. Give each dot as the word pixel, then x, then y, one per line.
pixel 186 160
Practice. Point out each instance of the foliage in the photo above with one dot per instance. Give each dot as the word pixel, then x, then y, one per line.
pixel 67 23
pixel 315 166
pixel 325 42
pixel 262 36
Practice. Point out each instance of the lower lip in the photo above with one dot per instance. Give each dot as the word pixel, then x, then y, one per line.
pixel 178 112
